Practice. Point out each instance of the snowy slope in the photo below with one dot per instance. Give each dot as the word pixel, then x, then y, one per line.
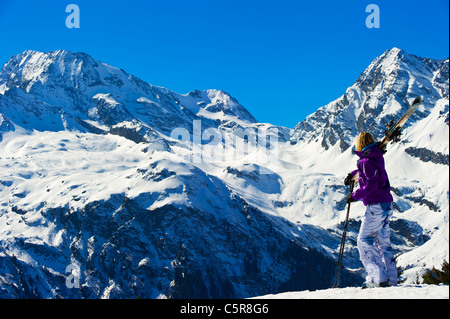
pixel 400 292
pixel 148 192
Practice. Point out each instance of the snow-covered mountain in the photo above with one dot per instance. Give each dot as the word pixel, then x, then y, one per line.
pixel 73 89
pixel 135 190
pixel 382 92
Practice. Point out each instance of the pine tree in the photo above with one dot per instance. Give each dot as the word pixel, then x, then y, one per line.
pixel 436 277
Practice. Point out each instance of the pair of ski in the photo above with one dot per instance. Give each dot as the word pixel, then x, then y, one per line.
pixel 392 134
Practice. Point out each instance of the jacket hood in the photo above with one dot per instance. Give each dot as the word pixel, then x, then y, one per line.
pixel 370 151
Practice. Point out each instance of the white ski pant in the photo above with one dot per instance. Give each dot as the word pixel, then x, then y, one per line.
pixel 374 245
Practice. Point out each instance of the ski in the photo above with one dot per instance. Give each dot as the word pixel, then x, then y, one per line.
pixel 393 132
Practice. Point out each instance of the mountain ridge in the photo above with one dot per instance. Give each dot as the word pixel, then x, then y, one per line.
pixel 87 89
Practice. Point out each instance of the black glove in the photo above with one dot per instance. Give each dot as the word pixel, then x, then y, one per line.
pixel 348 179
pixel 382 147
pixel 349 199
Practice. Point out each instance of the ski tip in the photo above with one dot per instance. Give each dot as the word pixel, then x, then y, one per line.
pixel 417 100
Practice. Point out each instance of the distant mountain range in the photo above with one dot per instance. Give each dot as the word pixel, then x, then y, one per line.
pixel 111 187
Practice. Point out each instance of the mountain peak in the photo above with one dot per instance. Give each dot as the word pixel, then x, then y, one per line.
pixel 395 51
pixel 381 93
pixel 38 57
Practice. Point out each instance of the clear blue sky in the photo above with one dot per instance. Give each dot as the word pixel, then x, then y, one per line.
pixel 281 59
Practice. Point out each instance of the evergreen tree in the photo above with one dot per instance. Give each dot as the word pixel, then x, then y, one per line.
pixel 436 277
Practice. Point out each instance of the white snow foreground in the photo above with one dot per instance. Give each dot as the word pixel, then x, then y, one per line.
pixel 400 292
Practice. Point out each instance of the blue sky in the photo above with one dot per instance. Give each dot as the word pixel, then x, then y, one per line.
pixel 281 59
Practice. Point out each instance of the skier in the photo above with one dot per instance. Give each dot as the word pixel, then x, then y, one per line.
pixel 374 235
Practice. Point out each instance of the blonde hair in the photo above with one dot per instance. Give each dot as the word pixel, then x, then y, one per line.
pixel 364 139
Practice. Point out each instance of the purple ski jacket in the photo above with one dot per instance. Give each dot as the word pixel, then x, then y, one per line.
pixel 374 187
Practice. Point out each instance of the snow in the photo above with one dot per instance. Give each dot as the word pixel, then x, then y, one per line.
pixel 64 168
pixel 399 292
pixel 107 98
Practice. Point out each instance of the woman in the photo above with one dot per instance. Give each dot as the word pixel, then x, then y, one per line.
pixel 374 235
